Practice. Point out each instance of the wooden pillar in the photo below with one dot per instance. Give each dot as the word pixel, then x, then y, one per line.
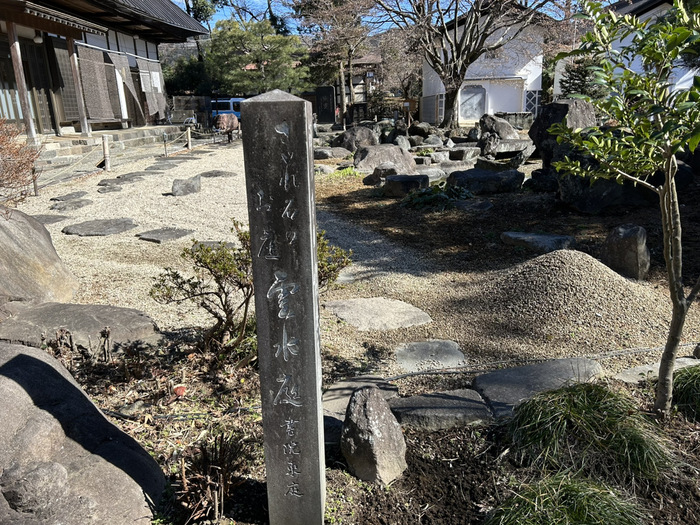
pixel 21 81
pixel 85 129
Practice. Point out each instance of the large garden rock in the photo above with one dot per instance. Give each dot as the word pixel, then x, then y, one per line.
pixel 625 251
pixel 355 138
pixel 30 267
pixel 84 321
pixel 599 196
pixel 61 460
pixel 331 153
pixel 576 113
pixel 481 182
pixel 497 126
pixel 371 440
pixel 367 158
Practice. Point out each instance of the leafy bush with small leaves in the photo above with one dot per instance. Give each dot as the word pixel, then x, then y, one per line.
pixel 425 152
pixel 331 260
pixel 438 197
pixel 223 285
pixel 589 427
pixel 561 500
pixel 686 391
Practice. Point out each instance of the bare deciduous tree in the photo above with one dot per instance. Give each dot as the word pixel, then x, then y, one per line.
pixel 453 34
pixel 16 167
pixel 339 34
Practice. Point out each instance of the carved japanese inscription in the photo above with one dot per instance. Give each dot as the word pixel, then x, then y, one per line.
pixel 279 178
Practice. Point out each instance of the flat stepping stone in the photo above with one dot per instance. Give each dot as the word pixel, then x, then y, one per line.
pixel 505 389
pixel 162 235
pixel 100 227
pixel 337 397
pixel 218 173
pixel 162 166
pixel 49 219
pixel 378 313
pixel 441 410
pixel 651 372
pixel 69 196
pixel 134 175
pixel 118 181
pixel 429 355
pixel 539 242
pixel 70 205
pixel 109 189
pixel 84 321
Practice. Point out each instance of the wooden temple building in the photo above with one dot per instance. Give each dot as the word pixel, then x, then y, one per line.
pixel 69 66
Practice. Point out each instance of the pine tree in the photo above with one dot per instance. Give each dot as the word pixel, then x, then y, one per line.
pixel 579 79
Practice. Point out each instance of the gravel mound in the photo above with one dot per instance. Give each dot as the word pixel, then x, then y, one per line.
pixel 568 294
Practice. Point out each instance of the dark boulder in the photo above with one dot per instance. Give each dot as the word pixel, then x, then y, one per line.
pixel 354 138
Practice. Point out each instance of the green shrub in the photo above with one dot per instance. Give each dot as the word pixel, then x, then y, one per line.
pixel 222 285
pixel 349 172
pixel 438 197
pixel 589 427
pixel 561 500
pixel 686 390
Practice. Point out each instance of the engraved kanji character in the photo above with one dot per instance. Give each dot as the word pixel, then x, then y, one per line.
pixel 288 393
pixel 288 346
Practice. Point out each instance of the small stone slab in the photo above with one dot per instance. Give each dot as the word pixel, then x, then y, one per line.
pixel 50 219
pixel 109 189
pixel 134 175
pixel 70 205
pixel 336 398
pixel 401 185
pixel 69 196
pixel 441 410
pixel 162 235
pixel 539 242
pixel 218 173
pixel 378 313
pixel 429 355
pixel 651 372
pixel 480 181
pixel 504 389
pixel 117 181
pixel 84 321
pixel 435 175
pixel 182 187
pixel 162 166
pixel 100 227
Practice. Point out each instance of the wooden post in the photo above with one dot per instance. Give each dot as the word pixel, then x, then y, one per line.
pixel 165 143
pixel 105 151
pixel 189 138
pixel 277 147
pixel 21 81
pixel 85 129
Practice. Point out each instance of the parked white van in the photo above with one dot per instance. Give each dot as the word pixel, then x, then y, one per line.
pixel 228 105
